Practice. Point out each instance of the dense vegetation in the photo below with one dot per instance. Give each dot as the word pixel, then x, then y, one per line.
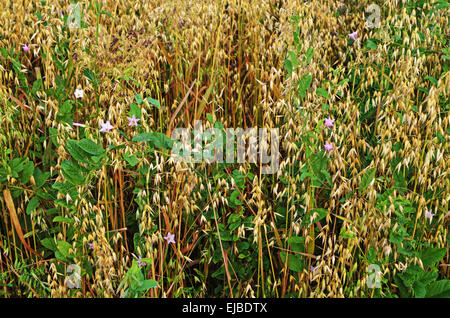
pixel 93 204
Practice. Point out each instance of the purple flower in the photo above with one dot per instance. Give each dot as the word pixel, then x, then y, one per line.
pixel 328 147
pixel 106 127
pixel 25 48
pixel 353 35
pixel 133 120
pixel 140 264
pixel 91 246
pixel 61 14
pixel 329 122
pixel 170 238
pixel 429 214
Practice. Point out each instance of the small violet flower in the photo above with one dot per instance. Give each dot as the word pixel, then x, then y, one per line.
pixel 140 264
pixel 328 147
pixel 170 238
pixel 106 127
pixel 25 48
pixel 429 214
pixel 329 122
pixel 91 246
pixel 353 35
pixel 79 93
pixel 133 120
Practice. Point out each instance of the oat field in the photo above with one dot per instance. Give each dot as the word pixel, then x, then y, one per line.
pixel 353 98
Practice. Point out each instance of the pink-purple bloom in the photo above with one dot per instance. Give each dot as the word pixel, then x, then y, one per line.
pixel 429 214
pixel 328 146
pixel 25 48
pixel 353 35
pixel 170 238
pixel 140 263
pixel 329 122
pixel 106 127
pixel 133 120
pixel 91 246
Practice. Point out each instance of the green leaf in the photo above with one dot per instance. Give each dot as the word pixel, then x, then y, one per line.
pixel 132 161
pixel 367 179
pixel 76 152
pixel 431 255
pixel 72 172
pixel 234 201
pixel 63 219
pixel 297 243
pixel 147 284
pixel 431 79
pixel 288 66
pixel 108 14
pixel 304 84
pixel 309 55
pixel 157 139
pixel 138 99
pixel 63 248
pixel 439 289
pixel 294 262
pixel 154 102
pixel 90 75
pixel 419 290
pixel 399 182
pixel 210 118
pixel 370 44
pixel 40 177
pixel 27 172
pixel 49 243
pixel 90 147
pixel 322 92
pixel 32 205
pixel 135 110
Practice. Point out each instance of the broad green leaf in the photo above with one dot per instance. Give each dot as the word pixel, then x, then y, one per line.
pixel 40 177
pixel 63 219
pixel 32 205
pixel 135 110
pixel 304 84
pixel 439 289
pixel 367 179
pixel 76 152
pixel 90 147
pixel 72 172
pixel 27 172
pixel 309 55
pixel 431 255
pixel 63 248
pixel 147 284
pixel 154 102
pixel 294 262
pixel 132 161
pixel 138 99
pixel 322 92
pixel 49 243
